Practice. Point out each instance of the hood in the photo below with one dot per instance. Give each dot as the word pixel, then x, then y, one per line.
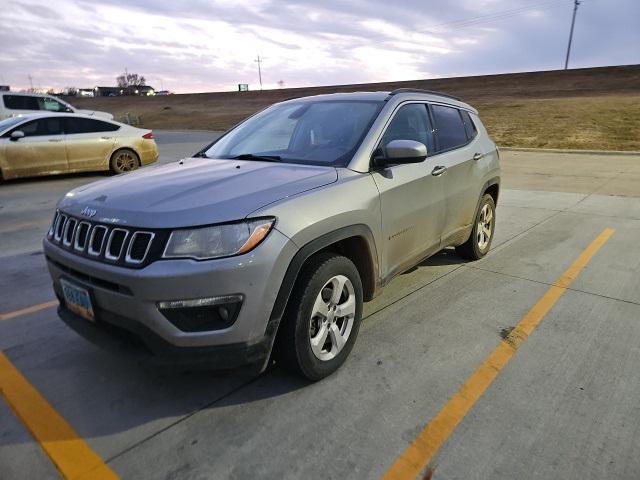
pixel 194 191
pixel 95 113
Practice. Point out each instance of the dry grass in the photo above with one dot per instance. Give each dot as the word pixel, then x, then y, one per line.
pixel 594 109
pixel 607 122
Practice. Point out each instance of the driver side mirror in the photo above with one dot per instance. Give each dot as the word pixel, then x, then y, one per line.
pixel 398 152
pixel 16 135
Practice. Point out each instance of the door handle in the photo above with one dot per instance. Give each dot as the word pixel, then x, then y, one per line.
pixel 55 139
pixel 478 156
pixel 439 170
pixel 106 138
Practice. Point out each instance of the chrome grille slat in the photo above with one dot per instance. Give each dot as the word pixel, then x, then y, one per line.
pixel 107 253
pixel 128 258
pixel 77 246
pixel 91 250
pixel 69 230
pixel 113 244
pixel 59 230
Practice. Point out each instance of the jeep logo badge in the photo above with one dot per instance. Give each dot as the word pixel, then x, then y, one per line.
pixel 88 212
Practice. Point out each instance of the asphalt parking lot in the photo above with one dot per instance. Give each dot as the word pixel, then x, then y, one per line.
pixel 521 365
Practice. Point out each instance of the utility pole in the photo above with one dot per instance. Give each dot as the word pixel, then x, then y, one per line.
pixel 573 22
pixel 31 81
pixel 259 62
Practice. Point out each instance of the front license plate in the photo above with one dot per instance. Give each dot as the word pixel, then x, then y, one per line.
pixel 77 300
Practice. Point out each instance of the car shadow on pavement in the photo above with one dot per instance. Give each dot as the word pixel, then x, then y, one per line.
pixel 448 256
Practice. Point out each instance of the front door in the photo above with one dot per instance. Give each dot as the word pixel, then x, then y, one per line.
pixel 41 150
pixel 412 199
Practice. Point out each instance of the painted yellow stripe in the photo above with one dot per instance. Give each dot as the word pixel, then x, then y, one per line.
pixel 28 310
pixel 418 455
pixel 71 455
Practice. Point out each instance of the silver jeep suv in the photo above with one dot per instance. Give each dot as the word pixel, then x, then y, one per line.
pixel 270 239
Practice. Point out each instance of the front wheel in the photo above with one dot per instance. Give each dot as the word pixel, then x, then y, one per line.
pixel 124 160
pixel 322 320
pixel 478 244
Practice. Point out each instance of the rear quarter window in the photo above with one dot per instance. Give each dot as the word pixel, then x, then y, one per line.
pixel 87 125
pixel 469 126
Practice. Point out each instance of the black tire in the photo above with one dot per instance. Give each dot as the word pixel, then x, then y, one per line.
pixel 293 344
pixel 473 248
pixel 124 160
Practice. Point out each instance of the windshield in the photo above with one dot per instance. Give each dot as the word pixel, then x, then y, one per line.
pixel 7 123
pixel 315 133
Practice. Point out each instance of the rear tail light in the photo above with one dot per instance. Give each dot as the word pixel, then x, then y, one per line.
pixel 148 136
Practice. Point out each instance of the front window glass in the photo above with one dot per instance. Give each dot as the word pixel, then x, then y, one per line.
pixel 42 127
pixel 411 122
pixel 52 105
pixel 315 133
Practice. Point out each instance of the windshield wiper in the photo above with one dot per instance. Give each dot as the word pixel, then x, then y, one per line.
pixel 251 156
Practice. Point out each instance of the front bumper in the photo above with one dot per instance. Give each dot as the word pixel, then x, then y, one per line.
pixel 125 300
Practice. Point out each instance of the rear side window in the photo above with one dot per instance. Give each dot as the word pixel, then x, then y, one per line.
pixel 469 126
pixel 21 102
pixel 41 127
pixel 450 131
pixel 87 125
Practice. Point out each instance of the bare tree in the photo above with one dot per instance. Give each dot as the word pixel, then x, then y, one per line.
pixel 127 80
pixel 281 83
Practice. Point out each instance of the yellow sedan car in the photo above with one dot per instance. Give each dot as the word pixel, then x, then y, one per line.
pixel 49 143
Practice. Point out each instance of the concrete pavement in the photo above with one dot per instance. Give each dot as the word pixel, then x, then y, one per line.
pixel 564 407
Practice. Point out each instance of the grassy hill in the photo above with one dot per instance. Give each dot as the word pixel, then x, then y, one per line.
pixel 590 108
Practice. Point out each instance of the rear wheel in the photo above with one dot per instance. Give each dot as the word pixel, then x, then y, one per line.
pixel 124 160
pixel 479 242
pixel 322 319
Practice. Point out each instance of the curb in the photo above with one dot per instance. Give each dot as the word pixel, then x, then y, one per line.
pixel 559 150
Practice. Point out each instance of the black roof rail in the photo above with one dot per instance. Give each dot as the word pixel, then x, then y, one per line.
pixel 418 90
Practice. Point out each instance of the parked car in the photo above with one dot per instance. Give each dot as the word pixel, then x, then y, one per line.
pixel 51 143
pixel 272 237
pixel 14 104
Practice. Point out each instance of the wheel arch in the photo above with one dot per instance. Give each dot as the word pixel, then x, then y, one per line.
pixel 119 148
pixel 355 242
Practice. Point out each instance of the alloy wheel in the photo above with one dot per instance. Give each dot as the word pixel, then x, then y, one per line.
pixel 332 318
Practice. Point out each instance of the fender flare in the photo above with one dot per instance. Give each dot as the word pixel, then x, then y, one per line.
pixel 301 256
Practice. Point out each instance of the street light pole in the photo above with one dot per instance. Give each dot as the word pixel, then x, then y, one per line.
pixel 573 22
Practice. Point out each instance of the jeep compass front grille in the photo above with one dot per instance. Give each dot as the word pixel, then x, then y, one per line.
pixel 128 247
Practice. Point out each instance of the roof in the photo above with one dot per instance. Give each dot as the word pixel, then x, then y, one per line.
pixel 402 93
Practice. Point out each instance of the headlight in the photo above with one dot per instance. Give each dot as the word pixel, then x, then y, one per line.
pixel 219 240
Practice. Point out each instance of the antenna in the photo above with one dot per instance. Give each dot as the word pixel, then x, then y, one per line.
pixel 573 22
pixel 259 62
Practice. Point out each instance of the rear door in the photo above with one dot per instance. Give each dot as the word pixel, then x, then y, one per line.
pixel 455 151
pixel 40 151
pixel 412 199
pixel 89 143
pixel 19 104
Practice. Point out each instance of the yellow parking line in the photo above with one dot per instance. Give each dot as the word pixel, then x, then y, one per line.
pixel 418 455
pixel 28 310
pixel 71 455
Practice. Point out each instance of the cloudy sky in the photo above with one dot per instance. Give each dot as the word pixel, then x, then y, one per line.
pixel 200 45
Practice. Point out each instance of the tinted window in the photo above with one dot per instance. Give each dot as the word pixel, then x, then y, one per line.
pixel 87 125
pixel 411 122
pixel 469 126
pixel 21 102
pixel 42 126
pixel 450 130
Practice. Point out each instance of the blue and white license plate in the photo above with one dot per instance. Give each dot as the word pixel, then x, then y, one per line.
pixel 77 300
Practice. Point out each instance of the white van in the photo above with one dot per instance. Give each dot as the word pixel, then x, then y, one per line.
pixel 13 104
